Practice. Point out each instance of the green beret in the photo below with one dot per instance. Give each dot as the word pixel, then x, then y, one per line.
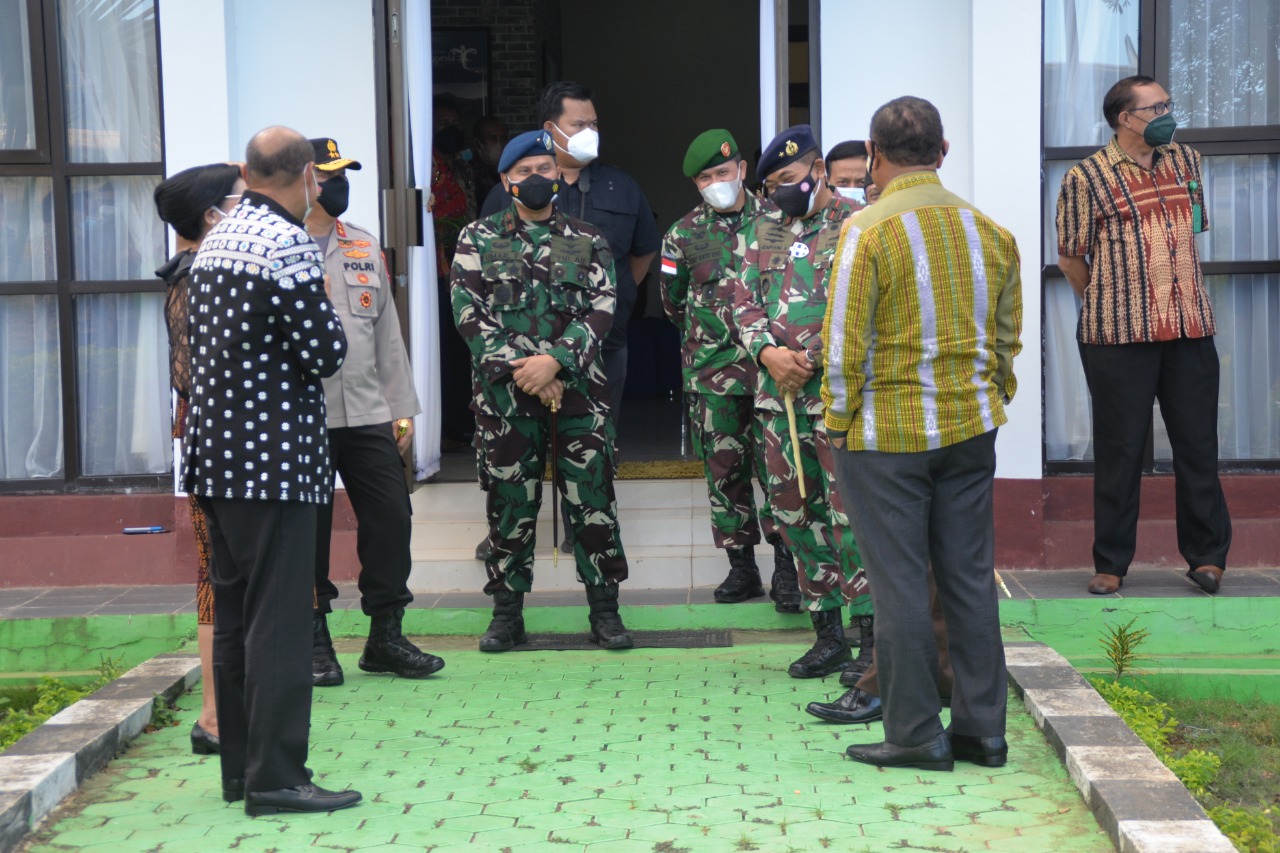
pixel 710 149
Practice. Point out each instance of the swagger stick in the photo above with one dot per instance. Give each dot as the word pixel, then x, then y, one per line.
pixel 789 400
pixel 555 486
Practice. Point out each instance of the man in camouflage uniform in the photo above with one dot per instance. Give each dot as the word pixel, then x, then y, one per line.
pixel 779 306
pixel 533 296
pixel 701 253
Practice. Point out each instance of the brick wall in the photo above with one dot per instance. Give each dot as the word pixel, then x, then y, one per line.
pixel 524 36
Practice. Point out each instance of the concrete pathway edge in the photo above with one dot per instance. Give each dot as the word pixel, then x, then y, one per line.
pixel 1134 797
pixel 47 765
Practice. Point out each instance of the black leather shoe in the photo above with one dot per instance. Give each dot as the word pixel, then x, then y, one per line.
pixel 982 751
pixel 854 706
pixel 203 743
pixel 930 755
pixel 303 798
pixel 325 669
pixel 233 789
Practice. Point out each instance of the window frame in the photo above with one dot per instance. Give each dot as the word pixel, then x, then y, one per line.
pixel 50 160
pixel 1154 32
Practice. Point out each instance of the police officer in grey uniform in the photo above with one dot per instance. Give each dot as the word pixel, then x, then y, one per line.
pixel 370 402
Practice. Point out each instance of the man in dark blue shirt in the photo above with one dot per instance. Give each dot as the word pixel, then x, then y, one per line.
pixel 603 195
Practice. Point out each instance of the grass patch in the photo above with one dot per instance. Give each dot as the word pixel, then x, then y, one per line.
pixel 38 703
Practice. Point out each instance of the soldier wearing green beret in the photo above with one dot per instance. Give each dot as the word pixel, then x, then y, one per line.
pixel 701 254
pixel 780 303
pixel 533 294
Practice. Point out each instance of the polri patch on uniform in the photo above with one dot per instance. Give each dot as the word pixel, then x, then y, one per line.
pixel 570 250
pixel 355 253
pixel 362 278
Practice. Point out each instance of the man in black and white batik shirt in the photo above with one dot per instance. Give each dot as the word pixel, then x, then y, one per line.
pixel 263 335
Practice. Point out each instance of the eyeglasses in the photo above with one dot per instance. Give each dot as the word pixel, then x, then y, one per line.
pixel 1157 109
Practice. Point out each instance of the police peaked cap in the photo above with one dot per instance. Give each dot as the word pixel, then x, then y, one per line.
pixel 327 157
pixel 786 148
pixel 528 144
pixel 710 148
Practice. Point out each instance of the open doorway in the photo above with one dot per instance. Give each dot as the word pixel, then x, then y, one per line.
pixel 662 72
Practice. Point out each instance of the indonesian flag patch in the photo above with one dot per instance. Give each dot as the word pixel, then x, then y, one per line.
pixel 668 265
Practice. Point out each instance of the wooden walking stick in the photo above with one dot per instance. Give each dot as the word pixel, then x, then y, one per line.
pixel 789 400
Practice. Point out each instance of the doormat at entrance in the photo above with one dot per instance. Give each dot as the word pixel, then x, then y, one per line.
pixel 643 640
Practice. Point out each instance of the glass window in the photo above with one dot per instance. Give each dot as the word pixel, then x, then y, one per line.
pixel 1054 172
pixel 115 233
pixel 1068 426
pixel 26 230
pixel 30 388
pixel 17 108
pixel 110 80
pixel 1088 46
pixel 1243 196
pixel 122 365
pixel 1223 62
pixel 1247 310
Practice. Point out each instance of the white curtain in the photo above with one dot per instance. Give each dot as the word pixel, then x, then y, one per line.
pixel 424 321
pixel 1088 46
pixel 30 388
pixel 17 105
pixel 1222 69
pixel 111 87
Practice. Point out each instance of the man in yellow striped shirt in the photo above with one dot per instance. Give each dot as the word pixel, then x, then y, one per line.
pixel 922 324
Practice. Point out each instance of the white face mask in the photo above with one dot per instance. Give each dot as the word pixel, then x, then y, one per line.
pixel 722 194
pixel 857 194
pixel 584 146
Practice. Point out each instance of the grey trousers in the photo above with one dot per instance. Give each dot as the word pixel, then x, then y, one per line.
pixel 909 510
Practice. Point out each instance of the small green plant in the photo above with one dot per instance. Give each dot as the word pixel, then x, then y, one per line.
pixel 1120 643
pixel 51 696
pixel 1250 830
pixel 1153 722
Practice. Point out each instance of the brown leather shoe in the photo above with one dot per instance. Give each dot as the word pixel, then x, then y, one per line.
pixel 1102 584
pixel 1208 578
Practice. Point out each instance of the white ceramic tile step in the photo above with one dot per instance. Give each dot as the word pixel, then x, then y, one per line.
pixel 653 567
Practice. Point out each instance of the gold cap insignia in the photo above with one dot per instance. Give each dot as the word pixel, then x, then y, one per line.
pixel 725 149
pixel 333 150
pixel 791 148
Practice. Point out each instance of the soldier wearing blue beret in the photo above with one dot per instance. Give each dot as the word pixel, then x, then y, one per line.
pixel 779 308
pixel 533 293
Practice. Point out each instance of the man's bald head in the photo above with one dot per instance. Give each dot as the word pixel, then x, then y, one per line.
pixel 276 157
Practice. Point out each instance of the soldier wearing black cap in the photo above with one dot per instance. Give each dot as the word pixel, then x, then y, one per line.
pixel 701 254
pixel 780 304
pixel 533 293
pixel 370 405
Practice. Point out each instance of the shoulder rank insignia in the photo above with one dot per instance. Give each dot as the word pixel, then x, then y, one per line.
pixel 363 244
pixel 356 253
pixel 346 244
pixel 362 278
pixel 342 232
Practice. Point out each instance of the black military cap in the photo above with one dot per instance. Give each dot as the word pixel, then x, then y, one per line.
pixel 327 157
pixel 786 148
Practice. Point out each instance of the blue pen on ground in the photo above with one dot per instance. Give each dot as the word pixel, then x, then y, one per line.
pixel 153 529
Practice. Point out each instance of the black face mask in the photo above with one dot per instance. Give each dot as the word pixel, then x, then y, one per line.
pixel 794 199
pixel 335 194
pixel 535 192
pixel 449 139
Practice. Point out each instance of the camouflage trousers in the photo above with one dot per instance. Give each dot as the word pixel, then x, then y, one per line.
pixel 727 438
pixel 815 529
pixel 517 451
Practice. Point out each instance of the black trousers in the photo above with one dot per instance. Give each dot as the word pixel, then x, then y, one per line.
pixel 910 510
pixel 373 473
pixel 1124 381
pixel 261 573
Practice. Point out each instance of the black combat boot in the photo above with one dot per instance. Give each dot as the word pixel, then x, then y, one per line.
pixel 325 670
pixel 743 581
pixel 484 549
pixel 607 630
pixel 387 650
pixel 507 628
pixel 866 645
pixel 784 588
pixel 831 651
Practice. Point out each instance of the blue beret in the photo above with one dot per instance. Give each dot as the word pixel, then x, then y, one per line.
pixel 786 148
pixel 528 144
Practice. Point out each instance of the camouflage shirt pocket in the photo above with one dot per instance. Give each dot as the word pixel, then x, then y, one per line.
pixel 505 282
